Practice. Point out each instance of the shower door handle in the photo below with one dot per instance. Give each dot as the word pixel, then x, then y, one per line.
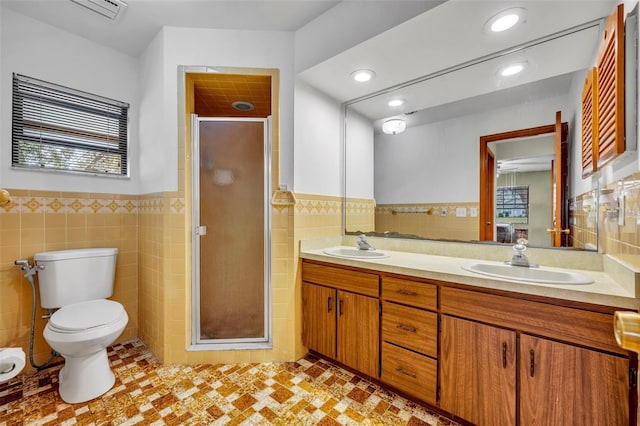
pixel 201 230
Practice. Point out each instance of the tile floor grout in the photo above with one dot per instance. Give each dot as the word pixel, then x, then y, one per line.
pixel 310 391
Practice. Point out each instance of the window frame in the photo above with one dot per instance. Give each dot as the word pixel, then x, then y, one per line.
pixel 105 130
pixel 523 205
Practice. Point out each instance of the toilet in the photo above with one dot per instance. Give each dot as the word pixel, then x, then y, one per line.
pixel 77 283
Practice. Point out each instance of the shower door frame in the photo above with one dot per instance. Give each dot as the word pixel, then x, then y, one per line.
pixel 197 343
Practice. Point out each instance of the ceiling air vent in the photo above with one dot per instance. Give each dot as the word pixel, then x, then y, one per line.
pixel 111 9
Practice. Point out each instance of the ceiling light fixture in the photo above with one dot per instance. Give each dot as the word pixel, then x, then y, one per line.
pixel 396 102
pixel 243 106
pixel 363 75
pixel 505 20
pixel 512 69
pixel 394 126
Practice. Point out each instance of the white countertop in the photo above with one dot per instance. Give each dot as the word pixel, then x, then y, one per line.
pixel 605 290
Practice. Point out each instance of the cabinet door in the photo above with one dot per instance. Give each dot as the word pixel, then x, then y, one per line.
pixel 478 372
pixel 566 385
pixel 319 319
pixel 358 332
pixel 610 82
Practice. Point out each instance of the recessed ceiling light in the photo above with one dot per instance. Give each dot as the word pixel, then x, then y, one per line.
pixel 505 20
pixel 394 126
pixel 512 69
pixel 396 102
pixel 243 106
pixel 362 76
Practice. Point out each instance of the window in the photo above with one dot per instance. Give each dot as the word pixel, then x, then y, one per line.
pixel 512 203
pixel 57 128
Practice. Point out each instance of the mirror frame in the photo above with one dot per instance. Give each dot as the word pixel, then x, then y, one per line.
pixel 559 172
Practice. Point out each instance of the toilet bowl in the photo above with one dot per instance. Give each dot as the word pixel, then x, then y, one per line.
pixel 81 333
pixel 78 282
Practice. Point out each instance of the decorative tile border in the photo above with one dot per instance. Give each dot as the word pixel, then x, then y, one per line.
pixel 75 205
pixel 150 205
pixel 177 205
pixel 361 206
pixel 314 204
pixel 434 209
pixel 69 205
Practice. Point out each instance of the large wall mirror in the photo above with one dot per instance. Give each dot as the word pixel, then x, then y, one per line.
pixel 422 179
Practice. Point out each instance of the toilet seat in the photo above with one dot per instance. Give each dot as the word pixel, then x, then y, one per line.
pixel 84 316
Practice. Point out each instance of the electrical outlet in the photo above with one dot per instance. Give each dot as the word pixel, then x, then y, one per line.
pixel 461 212
pixel 473 212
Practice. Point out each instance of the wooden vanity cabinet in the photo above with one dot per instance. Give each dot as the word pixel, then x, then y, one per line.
pixel 341 315
pixel 565 384
pixel 319 325
pixel 478 372
pixel 567 364
pixel 410 337
pixel 490 358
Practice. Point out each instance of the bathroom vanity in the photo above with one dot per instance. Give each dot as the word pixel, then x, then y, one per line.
pixel 485 350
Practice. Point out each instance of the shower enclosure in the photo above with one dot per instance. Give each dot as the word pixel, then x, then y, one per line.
pixel 231 241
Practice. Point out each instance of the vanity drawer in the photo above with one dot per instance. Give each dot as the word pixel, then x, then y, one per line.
pixel 409 372
pixel 421 295
pixel 410 328
pixel 342 279
pixel 579 326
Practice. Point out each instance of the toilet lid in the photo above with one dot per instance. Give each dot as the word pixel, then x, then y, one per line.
pixel 85 315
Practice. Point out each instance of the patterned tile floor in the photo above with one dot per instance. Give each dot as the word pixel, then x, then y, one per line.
pixel 307 392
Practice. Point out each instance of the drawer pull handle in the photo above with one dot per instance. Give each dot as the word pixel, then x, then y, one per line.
pixel 407 293
pixel 532 363
pixel 406 373
pixel 408 328
pixel 504 355
pixel 340 307
pixel 329 304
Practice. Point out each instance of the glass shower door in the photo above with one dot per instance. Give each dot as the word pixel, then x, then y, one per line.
pixel 232 231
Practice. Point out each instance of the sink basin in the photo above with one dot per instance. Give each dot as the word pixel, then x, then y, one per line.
pixel 353 253
pixel 533 275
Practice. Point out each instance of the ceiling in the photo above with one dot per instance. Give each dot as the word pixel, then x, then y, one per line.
pixel 446 36
pixel 214 94
pixel 433 42
pixel 142 19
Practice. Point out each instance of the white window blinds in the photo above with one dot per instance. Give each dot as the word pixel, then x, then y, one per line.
pixel 57 128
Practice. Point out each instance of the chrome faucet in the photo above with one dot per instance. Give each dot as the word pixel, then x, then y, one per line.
pixel 363 244
pixel 519 258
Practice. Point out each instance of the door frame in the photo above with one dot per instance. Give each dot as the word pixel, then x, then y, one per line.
pixel 266 341
pixel 487 175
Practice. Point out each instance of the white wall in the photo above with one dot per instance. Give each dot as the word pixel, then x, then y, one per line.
pixel 158 155
pixel 318 153
pixel 38 50
pixel 207 47
pixel 439 162
pixel 359 157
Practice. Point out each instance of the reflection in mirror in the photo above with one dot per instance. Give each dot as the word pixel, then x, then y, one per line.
pixel 424 182
pixel 522 182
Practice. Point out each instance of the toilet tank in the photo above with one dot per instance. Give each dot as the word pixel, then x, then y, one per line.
pixel 71 276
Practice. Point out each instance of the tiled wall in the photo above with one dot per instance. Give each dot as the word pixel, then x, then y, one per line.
pixel 621 238
pixel 361 215
pixel 37 221
pixel 429 221
pixel 614 227
pixel 583 218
